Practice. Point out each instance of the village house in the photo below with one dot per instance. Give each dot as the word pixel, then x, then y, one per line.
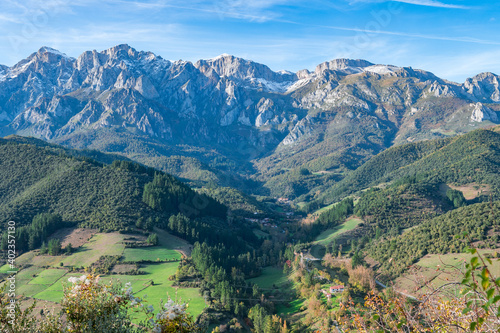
pixel 336 289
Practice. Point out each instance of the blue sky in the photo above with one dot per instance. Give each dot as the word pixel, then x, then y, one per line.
pixel 454 39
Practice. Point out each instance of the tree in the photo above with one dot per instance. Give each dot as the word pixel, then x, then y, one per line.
pixel 149 225
pixel 304 172
pixel 456 198
pixel 140 223
pixel 152 239
pixel 475 309
pixel 43 249
pixel 54 247
pixel 356 260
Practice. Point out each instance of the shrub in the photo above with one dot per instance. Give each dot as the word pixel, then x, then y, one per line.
pixel 93 307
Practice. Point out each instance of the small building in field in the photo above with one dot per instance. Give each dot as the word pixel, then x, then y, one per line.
pixel 336 289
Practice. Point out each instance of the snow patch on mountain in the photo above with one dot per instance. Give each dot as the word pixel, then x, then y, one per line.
pixel 220 56
pixel 298 84
pixel 381 69
pixel 46 49
pixel 276 87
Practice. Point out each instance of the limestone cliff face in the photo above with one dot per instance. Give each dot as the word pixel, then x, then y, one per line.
pixel 51 95
pixel 481 113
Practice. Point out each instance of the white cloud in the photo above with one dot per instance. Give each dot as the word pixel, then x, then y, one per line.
pixel 426 3
pixel 414 35
pixel 256 10
pixel 431 3
pixel 9 18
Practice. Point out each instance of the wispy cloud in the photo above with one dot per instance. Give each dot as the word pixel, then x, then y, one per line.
pixel 256 11
pixel 426 3
pixel 412 35
pixel 431 3
pixel 9 18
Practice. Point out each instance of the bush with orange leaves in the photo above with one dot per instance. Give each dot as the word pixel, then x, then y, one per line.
pixel 471 305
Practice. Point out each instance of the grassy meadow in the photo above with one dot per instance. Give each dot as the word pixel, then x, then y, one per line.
pixel 44 276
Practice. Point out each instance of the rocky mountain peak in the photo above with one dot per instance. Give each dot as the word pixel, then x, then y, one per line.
pixel 350 66
pixel 125 88
pixel 121 50
pixel 241 69
pixel 483 87
pixel 485 76
pixel 49 55
pixel 481 113
pixel 46 49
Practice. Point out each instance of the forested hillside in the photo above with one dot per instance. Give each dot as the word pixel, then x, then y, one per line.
pixel 39 178
pixel 439 235
pixel 472 157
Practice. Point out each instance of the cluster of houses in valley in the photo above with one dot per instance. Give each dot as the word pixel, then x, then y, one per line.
pixel 266 222
pixel 283 201
pixel 332 290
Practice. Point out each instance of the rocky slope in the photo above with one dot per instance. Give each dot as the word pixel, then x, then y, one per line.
pixel 331 119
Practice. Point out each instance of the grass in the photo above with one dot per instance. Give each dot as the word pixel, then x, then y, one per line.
pixel 99 245
pixel 47 284
pixel 434 261
pixel 30 289
pixel 327 236
pixel 321 210
pixel 439 269
pixel 141 284
pixel 48 276
pixel 6 268
pixel 50 295
pixel 444 131
pixel 27 274
pixel 318 248
pixel 163 288
pixel 169 241
pixel 46 260
pixel 150 253
pixel 290 308
pixel 54 292
pixel 25 258
pixel 260 234
pixel 270 276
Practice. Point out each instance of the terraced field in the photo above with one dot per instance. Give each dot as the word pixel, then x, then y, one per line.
pixel 326 237
pixel 44 277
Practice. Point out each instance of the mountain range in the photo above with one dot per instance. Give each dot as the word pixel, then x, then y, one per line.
pixel 233 121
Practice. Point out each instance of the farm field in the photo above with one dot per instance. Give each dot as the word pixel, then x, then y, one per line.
pixel 270 276
pixel 290 308
pixel 327 236
pixel 150 253
pixel 48 276
pixel 46 284
pixel 99 245
pixel 162 288
pixel 274 276
pixel 172 242
pixel 470 191
pixel 438 269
